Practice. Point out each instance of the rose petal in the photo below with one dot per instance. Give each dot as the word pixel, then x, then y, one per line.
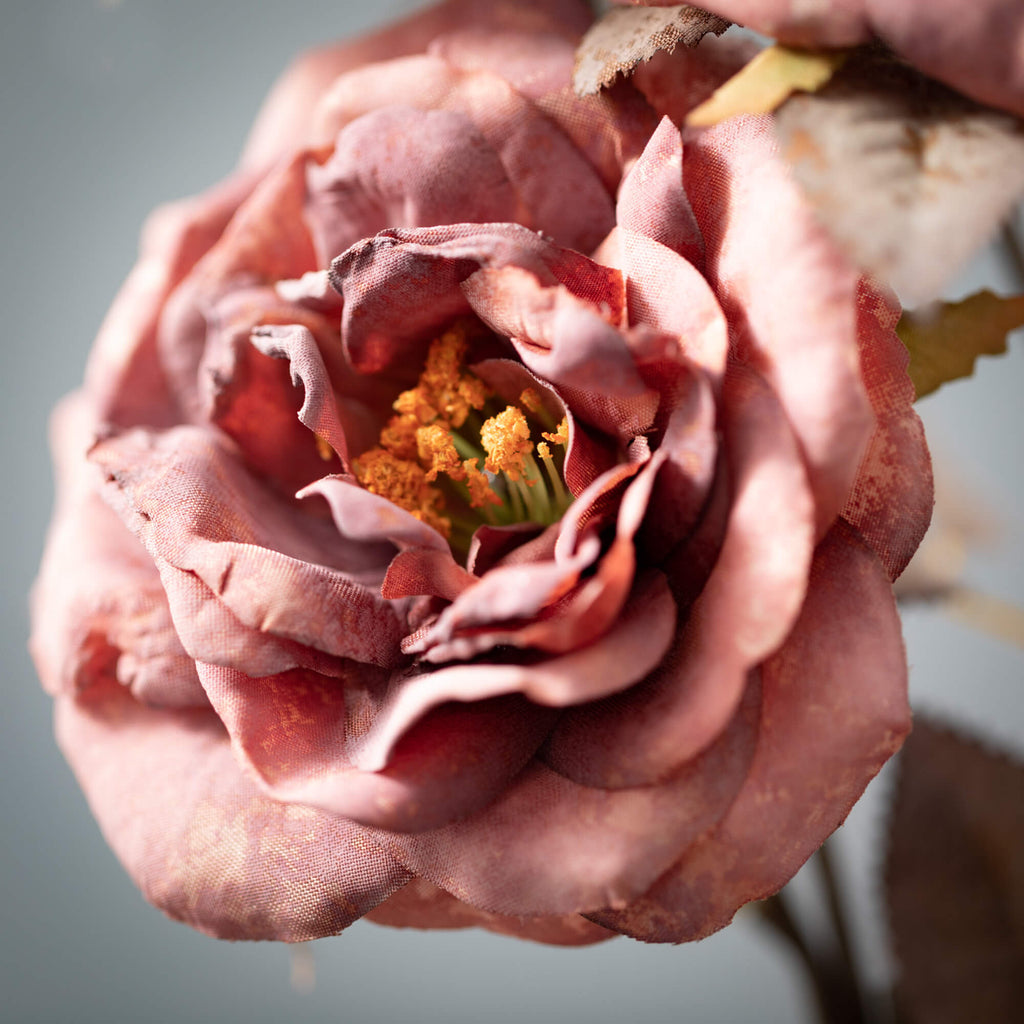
pixel 402 287
pixel 194 505
pixel 829 721
pixel 98 608
pixel 789 295
pixel 219 856
pixel 743 613
pixel 550 846
pixel 539 159
pixel 408 168
pixel 421 904
pixel 290 729
pixel 569 343
pixel 892 497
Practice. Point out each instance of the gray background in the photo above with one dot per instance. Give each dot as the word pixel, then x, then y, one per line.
pixel 106 109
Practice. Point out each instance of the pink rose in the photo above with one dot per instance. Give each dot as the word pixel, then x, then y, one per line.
pixel 481 510
pixel 976 47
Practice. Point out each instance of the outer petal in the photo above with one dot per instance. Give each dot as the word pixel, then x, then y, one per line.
pixel 829 721
pixel 789 295
pixel 550 846
pixel 560 191
pixel 892 497
pixel 421 904
pixel 744 612
pixel 291 730
pixel 98 607
pixel 286 119
pixel 219 855
pixel 196 507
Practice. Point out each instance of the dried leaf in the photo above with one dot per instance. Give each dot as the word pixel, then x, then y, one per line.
pixel 945 341
pixel 955 881
pixel 767 81
pixel 910 176
pixel 626 36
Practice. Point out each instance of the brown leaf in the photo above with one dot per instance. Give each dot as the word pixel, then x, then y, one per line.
pixel 944 341
pixel 626 36
pixel 955 881
pixel 910 176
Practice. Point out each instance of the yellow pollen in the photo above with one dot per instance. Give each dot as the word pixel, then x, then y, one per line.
pixel 480 493
pixel 399 436
pixel 415 403
pixel 436 451
pixel 323 448
pixel 506 439
pixel 543 451
pixel 530 401
pixel 561 434
pixel 404 484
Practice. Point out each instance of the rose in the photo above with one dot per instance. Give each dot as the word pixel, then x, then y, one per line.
pixel 311 662
pixel 977 48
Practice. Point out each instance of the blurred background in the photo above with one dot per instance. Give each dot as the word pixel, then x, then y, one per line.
pixel 108 107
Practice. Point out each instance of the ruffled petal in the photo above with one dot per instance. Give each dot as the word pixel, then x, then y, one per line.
pixel 829 721
pixel 291 731
pixel 892 497
pixel 193 505
pixel 789 295
pixel 220 856
pixel 551 846
pixel 744 612
pixel 421 904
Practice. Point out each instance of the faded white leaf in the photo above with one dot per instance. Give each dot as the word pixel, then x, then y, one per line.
pixel 627 36
pixel 910 176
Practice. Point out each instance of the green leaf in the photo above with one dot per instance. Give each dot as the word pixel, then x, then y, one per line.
pixel 955 881
pixel 945 342
pixel 766 82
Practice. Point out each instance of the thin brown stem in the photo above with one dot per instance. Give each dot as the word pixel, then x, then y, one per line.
pixel 1013 246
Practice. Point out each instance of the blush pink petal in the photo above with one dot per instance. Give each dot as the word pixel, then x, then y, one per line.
pixel 611 128
pixel 829 721
pixel 568 342
pixel 286 118
pixel 319 411
pixel 419 571
pixel 402 286
pixel 265 241
pixel 892 497
pixel 789 295
pixel 652 202
pixel 744 612
pixel 421 904
pixel 406 168
pixel 209 631
pixel 551 846
pixel 454 759
pixel 98 608
pixel 364 518
pixel 630 648
pixel 507 593
pixel 194 505
pixel 219 856
pixel 536 154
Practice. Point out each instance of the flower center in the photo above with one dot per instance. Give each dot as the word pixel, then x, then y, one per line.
pixel 456 456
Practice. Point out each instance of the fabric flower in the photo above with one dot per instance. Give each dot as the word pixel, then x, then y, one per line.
pixel 481 510
pixel 977 48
